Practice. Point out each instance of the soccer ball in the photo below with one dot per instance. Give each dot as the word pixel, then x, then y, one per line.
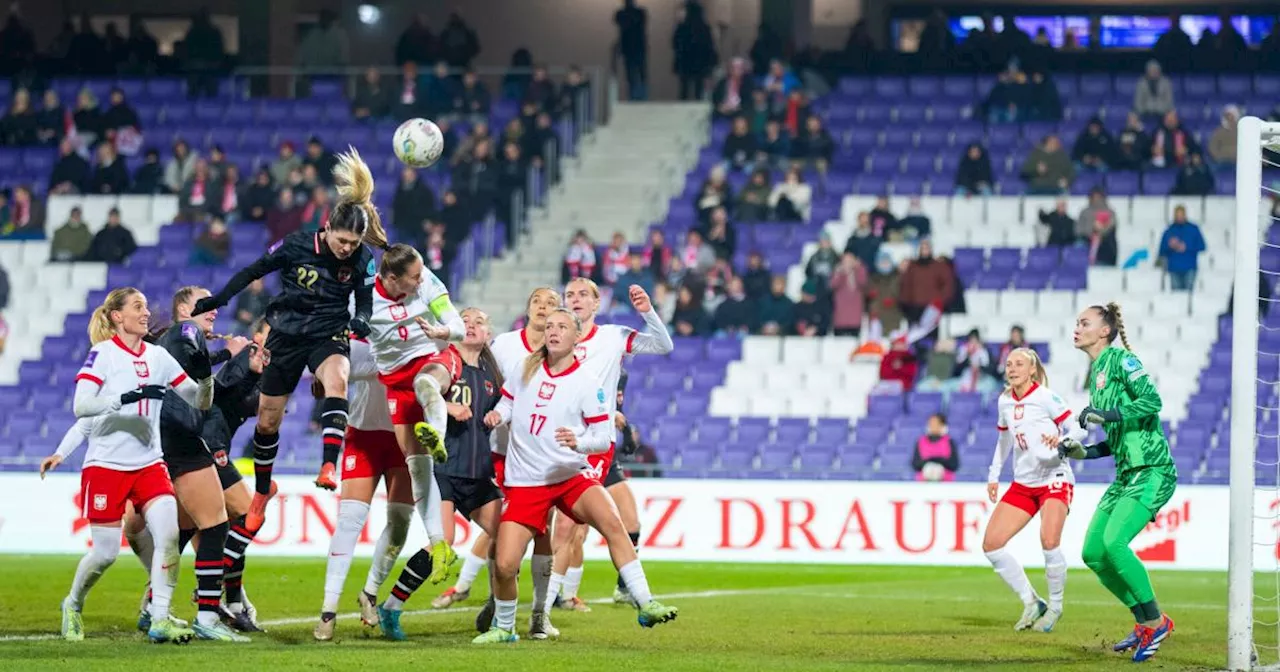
pixel 418 143
pixel 933 471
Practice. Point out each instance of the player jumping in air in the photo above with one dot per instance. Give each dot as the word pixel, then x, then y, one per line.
pixel 1123 400
pixel 311 319
pixel 1031 419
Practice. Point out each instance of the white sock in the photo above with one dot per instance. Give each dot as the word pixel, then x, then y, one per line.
pixel 1009 570
pixel 390 543
pixel 162 520
pixel 572 581
pixel 505 615
pixel 106 546
pixel 1055 570
pixel 633 575
pixel 554 582
pixel 143 547
pixel 352 515
pixel 426 496
pixel 427 389
pixel 540 566
pixel 471 564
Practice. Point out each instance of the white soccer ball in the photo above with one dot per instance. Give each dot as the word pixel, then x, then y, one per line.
pixel 933 471
pixel 418 143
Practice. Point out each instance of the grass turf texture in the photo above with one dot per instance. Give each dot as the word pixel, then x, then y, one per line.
pixel 732 617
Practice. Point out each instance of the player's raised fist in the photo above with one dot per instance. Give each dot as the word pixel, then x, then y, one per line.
pixel 639 299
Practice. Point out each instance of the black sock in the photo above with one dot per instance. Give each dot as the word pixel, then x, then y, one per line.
pixel 414 573
pixel 265 447
pixel 1150 611
pixel 238 539
pixel 635 541
pixel 184 538
pixel 333 426
pixel 1137 612
pixel 209 567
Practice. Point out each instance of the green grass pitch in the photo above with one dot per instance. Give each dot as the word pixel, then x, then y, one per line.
pixel 732 617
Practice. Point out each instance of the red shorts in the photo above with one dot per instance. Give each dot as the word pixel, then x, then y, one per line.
pixel 370 454
pixel 1031 499
pixel 499 468
pixel 103 491
pixel 530 505
pixel 600 463
pixel 401 400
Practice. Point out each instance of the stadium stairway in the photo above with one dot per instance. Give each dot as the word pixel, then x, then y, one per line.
pixel 622 180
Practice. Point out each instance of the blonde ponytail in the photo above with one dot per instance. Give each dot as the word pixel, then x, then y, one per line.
pixel 354 211
pixel 532 362
pixel 100 325
pixel 1114 309
pixel 1038 373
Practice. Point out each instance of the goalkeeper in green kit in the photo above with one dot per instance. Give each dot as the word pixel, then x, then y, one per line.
pixel 1123 400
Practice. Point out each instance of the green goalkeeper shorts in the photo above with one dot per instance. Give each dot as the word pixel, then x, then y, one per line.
pixel 1152 487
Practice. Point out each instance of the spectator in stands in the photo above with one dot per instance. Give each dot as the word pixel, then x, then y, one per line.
pixel 971 371
pixel 1172 143
pixel 120 115
pixel 142 51
pixel 213 247
pixel 580 258
pixel 476 181
pixel 697 256
pixel 372 100
pixel 436 253
pixel 471 99
pixel 695 51
pixel 1047 169
pixel 779 83
pixel 51 120
pixel 455 217
pixel 936 447
pixel 926 281
pixel 439 92
pixel 205 56
pixel 196 196
pixel 633 44
pixel 721 235
pixel 737 314
pixel 72 240
pixel 1017 339
pixel 409 95
pixel 753 200
pixel 1180 249
pixel 20 124
pixel 251 304
pixel 1194 179
pixel 149 178
pixel 690 319
pixel 864 243
pixel 113 243
pixel 915 224
pixel 732 93
pixel 325 46
pixel 777 310
pixel 813 148
pixel 315 214
pixel 181 168
pixel 812 315
pixel 323 160
pixel 899 366
pixel 758 111
pixel 458 42
pixel 1173 47
pixel 883 305
pixel 87 119
pixel 635 274
pixel 87 53
pixel 1134 147
pixel 1096 226
pixel 541 143
pixel 1046 105
pixel 756 277
pixel 541 92
pixel 715 193
pixel 791 199
pixel 416 43
pixel 513 178
pixel 616 259
pixel 226 201
pixel 1009 100
pixel 414 203
pixel 467 148
pixel 1093 149
pixel 774 148
pixel 110 176
pixel 657 256
pixel 285 217
pixel 664 301
pixel 973 173
pixel 573 102
pixel 740 147
pixel 258 197
pixel 217 162
pixel 1060 229
pixel 848 296
pixel 286 162
pixel 1222 143
pixel 822 263
pixel 882 220
pixel 71 172
pixel 1153 96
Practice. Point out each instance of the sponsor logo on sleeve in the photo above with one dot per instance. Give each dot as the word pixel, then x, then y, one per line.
pixel 93 357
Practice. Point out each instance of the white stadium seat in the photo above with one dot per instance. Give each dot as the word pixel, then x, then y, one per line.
pixel 835 350
pixel 1018 303
pixel 800 351
pixel 762 349
pixel 1143 282
pixel 969 213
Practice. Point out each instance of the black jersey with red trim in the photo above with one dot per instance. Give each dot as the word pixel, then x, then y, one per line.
pixel 180 422
pixel 317 286
pixel 468 440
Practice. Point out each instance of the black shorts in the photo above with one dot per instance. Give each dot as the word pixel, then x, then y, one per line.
pixel 467 494
pixel 614 475
pixel 291 354
pixel 184 457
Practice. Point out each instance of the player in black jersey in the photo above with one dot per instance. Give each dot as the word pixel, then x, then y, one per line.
pixel 466 480
pixel 617 486
pixel 311 320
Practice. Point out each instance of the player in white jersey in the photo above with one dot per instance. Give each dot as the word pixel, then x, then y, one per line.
pixel 411 313
pixel 601 350
pixel 370 452
pixel 558 415
pixel 121 386
pixel 1032 421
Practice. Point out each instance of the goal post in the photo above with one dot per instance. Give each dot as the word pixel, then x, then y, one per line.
pixel 1252 135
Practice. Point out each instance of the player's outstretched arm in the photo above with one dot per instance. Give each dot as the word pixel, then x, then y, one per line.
pixel 274 260
pixel 655 339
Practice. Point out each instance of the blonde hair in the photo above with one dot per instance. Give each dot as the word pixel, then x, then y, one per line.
pixel 354 211
pixel 1111 317
pixel 1038 374
pixel 591 284
pixel 537 357
pixel 100 326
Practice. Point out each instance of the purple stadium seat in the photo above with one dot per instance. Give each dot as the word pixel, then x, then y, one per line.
pixel 1031 281
pixel 884 406
pixel 861 138
pixel 961 87
pixel 696 457
pixel 911 114
pixel 855 86
pixel 925 87
pixel 890 88
pixel 1199 86
pixel 874 113
pixel 831 431
pixel 1095 85
pixel 776 459
pixel 1158 183
pixel 714 431
pixel 1122 183
pixel 817 459
pixel 945 114
pixel 738 455
pixel 753 430
pixel 1234 87
pixel 791 432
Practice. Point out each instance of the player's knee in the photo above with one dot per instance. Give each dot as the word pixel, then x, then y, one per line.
pixel 105 554
pixel 1050 540
pixel 1093 555
pixel 991 545
pixel 507 568
pixel 269 421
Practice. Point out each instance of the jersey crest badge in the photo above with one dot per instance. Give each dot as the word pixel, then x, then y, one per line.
pixel 1018 411
pixel 398 312
pixel 93 357
pixel 1100 381
pixel 140 368
pixel 344 274
pixel 546 391
pixel 391 406
pixel 488 387
pixel 220 458
pixel 580 353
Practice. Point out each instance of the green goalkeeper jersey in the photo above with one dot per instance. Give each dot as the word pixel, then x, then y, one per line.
pixel 1117 380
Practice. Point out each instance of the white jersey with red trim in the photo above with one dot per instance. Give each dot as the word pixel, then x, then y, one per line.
pixel 129 438
pixel 510 350
pixel 603 347
pixel 368 410
pixel 1025 421
pixel 573 399
pixel 394 334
